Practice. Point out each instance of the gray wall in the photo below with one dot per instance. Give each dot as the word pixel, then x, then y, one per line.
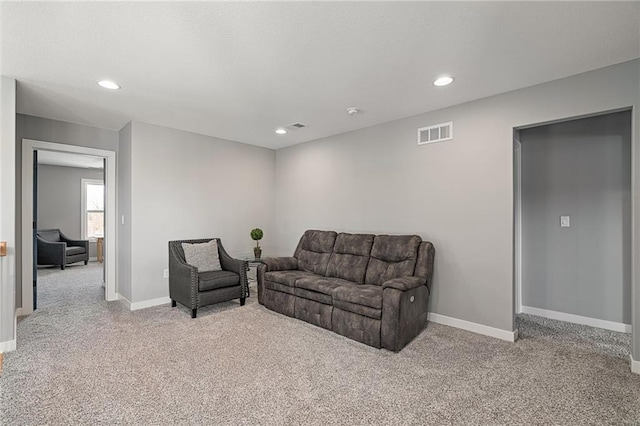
pixel 8 265
pixel 458 194
pixel 185 185
pixel 43 129
pixel 581 169
pixel 59 199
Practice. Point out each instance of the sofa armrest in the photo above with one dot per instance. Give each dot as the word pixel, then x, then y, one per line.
pixel 404 315
pixel 280 263
pixel 73 243
pixel 404 283
pixel 238 266
pixel 273 264
pixel 78 243
pixel 183 280
pixel 229 263
pixel 50 253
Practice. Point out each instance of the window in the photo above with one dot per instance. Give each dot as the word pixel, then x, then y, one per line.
pixel 92 208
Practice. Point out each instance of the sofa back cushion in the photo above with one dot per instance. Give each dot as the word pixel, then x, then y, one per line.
pixel 392 256
pixel 350 257
pixel 51 235
pixel 314 250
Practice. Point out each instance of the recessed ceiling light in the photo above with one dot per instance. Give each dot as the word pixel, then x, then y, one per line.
pixel 108 84
pixel 443 81
pixel 281 131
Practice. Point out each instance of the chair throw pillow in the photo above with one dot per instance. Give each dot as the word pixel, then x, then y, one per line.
pixel 203 256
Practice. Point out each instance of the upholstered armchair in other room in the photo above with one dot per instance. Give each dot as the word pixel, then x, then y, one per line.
pixel 195 283
pixel 55 248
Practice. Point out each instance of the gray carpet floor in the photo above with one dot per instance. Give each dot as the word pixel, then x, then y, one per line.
pixel 81 360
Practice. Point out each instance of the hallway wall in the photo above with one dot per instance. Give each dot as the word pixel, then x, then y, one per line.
pixel 581 169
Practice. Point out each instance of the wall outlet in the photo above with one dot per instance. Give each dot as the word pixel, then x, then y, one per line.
pixel 565 221
pixel 165 273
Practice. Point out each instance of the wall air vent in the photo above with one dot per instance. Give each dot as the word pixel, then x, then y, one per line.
pixel 295 126
pixel 436 133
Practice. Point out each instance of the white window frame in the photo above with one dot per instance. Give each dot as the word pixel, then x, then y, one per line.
pixel 83 205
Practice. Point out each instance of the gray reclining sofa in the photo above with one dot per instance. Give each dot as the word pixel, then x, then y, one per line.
pixel 370 288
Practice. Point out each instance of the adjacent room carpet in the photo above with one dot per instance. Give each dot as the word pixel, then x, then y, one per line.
pixel 81 360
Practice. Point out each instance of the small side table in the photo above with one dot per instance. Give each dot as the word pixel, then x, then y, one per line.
pixel 100 247
pixel 252 262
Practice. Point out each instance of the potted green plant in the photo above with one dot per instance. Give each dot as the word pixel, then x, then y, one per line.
pixel 256 235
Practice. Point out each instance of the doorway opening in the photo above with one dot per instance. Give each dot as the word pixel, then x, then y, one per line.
pixel 69 206
pixel 572 230
pixel 42 208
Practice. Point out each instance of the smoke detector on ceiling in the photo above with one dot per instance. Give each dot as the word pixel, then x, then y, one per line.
pixel 352 110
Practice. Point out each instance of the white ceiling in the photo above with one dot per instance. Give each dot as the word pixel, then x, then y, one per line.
pixel 66 159
pixel 238 70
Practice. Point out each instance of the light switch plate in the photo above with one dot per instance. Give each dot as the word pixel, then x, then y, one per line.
pixel 565 221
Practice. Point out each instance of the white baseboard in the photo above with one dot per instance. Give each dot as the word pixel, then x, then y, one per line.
pixel 8 346
pixel 19 312
pixel 134 306
pixel 509 336
pixel 635 365
pixel 578 319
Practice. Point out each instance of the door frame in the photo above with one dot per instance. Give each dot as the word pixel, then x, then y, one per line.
pixel 517 224
pixel 517 228
pixel 28 147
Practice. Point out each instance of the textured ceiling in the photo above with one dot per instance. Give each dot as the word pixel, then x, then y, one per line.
pixel 238 70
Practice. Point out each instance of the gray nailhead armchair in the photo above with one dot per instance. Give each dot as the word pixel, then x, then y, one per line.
pixel 194 290
pixel 55 248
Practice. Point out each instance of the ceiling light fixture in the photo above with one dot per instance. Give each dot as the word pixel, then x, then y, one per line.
pixel 281 131
pixel 443 81
pixel 108 84
pixel 352 110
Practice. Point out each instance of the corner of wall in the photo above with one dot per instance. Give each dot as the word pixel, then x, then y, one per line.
pixel 8 263
pixel 635 365
pixel 123 219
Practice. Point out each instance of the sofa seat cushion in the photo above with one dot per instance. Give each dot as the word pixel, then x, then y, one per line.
pixel 363 300
pixel 319 289
pixel 212 280
pixel 282 288
pixel 362 310
pixel 364 295
pixel 71 251
pixel 312 295
pixel 321 284
pixel 287 278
